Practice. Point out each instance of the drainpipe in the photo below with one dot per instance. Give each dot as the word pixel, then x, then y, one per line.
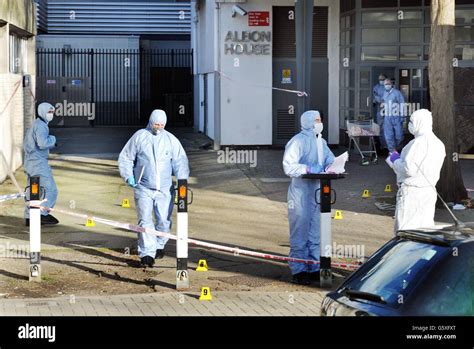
pixel 195 72
pixel 304 31
pixel 217 78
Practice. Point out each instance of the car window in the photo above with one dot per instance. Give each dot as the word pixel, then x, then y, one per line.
pixel 395 271
pixel 450 290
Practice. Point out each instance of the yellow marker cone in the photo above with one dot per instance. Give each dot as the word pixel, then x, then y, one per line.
pixel 90 222
pixel 202 265
pixel 338 215
pixel 125 203
pixel 388 188
pixel 366 193
pixel 205 294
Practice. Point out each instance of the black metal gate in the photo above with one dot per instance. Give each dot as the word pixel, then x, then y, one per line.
pixel 123 85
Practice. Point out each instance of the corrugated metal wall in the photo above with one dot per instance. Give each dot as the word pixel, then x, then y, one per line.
pixel 41 16
pixel 115 17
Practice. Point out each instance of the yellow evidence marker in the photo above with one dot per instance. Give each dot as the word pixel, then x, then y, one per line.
pixel 202 265
pixel 205 294
pixel 90 222
pixel 125 203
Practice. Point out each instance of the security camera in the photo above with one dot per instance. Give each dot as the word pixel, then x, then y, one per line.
pixel 236 9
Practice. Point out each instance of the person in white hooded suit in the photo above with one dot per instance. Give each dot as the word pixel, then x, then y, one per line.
pixel 418 170
pixel 147 163
pixel 36 146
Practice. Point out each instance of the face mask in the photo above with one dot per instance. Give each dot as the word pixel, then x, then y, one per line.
pixel 381 82
pixel 156 131
pixel 49 117
pixel 410 128
pixel 388 87
pixel 318 128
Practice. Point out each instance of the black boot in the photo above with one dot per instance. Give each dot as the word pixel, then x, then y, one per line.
pixel 45 220
pixel 147 261
pixel 315 276
pixel 301 278
pixel 48 220
pixel 160 254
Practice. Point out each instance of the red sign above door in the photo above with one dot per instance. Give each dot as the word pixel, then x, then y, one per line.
pixel 259 18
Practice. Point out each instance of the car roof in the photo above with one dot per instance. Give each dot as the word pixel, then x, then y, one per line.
pixel 447 235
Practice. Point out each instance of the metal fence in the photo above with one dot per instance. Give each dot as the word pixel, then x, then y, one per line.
pixel 124 85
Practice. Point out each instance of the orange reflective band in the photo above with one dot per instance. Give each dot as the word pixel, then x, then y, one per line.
pixel 182 191
pixel 34 189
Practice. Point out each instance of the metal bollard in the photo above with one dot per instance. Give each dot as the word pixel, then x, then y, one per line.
pixel 35 232
pixel 182 275
pixel 325 278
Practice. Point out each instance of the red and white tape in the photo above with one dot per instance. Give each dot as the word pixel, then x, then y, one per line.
pixel 235 250
pixel 298 93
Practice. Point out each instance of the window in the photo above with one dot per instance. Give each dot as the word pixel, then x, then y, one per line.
pixel 379 53
pixel 379 36
pixel 18 54
pixel 364 79
pixel 427 34
pixel 364 99
pixel 465 16
pixel 410 53
pixel 427 17
pixel 465 33
pixel 410 17
pixel 347 22
pixel 453 291
pixel 397 270
pixel 411 35
pixel 379 18
pixel 416 78
pixel 464 52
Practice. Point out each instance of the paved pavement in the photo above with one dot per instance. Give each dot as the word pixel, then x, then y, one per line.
pixel 171 304
pixel 235 205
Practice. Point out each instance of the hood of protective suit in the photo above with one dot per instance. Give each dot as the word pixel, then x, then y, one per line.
pixel 157 116
pixel 422 122
pixel 308 118
pixel 43 109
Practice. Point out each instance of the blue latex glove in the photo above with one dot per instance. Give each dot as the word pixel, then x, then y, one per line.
pixel 314 169
pixel 131 182
pixel 394 156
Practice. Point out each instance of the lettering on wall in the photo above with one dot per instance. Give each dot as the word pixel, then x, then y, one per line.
pixel 248 42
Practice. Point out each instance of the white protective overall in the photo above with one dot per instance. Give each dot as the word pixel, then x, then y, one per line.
pixel 418 171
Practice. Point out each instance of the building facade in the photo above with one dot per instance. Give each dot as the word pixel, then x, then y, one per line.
pixel 17 80
pixel 243 60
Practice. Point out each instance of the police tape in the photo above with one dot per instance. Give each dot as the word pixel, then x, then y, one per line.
pixel 235 250
pixel 298 93
pixel 11 197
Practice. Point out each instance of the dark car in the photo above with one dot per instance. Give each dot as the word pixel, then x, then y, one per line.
pixel 417 273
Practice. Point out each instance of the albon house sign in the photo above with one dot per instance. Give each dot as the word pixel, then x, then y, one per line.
pixel 248 42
